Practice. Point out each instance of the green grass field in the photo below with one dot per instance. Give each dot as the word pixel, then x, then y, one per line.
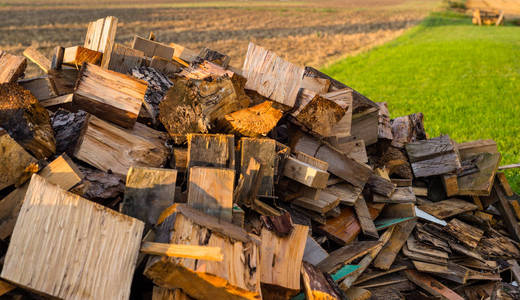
pixel 464 78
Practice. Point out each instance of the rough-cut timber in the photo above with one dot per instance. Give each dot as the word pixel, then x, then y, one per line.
pixel 71 269
pixel 281 258
pixel 211 150
pixel 305 173
pixel 210 190
pixel 236 277
pixel 192 106
pixel 11 67
pixel 466 234
pixel 253 121
pixel 407 129
pixel 109 95
pixel 448 208
pixel 16 165
pixel 26 121
pixel 271 76
pixel 386 257
pixel 122 59
pixel 263 150
pixel 67 128
pixel 109 147
pixel 431 157
pixel 101 34
pixel 77 55
pixel 472 148
pixel 148 191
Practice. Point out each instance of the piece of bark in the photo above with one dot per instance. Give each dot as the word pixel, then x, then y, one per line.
pixel 324 202
pixel 86 226
pixel 340 164
pixel 109 95
pixel 472 148
pixel 77 55
pixel 158 85
pixel 165 66
pixel 466 234
pixel 263 150
pixel 100 186
pixel 151 48
pixel 12 67
pixel 40 87
pixel 281 225
pixel 194 106
pixel 16 165
pixel 365 125
pixel 38 58
pixel 236 277
pixel 281 258
pixel 122 59
pixel 384 130
pixel 109 147
pixel 386 257
pixel 433 157
pixel 253 121
pixel 407 129
pixel 214 57
pixel 346 254
pixel 431 285
pixel 101 34
pixel 210 190
pixel 313 252
pixel 315 284
pixel 347 193
pixel 211 150
pixel 67 128
pixel 148 191
pixel 364 218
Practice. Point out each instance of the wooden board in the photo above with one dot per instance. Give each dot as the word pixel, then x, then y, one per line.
pixel 386 257
pixel 211 190
pixel 122 59
pixel 263 150
pixel 448 208
pixel 271 76
pixel 400 195
pixel 431 285
pixel 77 55
pixel 152 48
pixel 101 34
pixel 346 254
pixel 481 182
pixel 365 125
pixel 11 67
pixel 109 95
pixel 40 87
pixel 472 148
pixel 451 271
pixel 180 250
pixel 347 193
pixel 380 185
pixel 433 157
pixel 71 269
pixel 323 203
pixel 342 229
pixel 418 247
pixel 505 211
pixel 364 218
pixel 313 252
pixel 148 191
pixel 211 150
pixel 305 173
pixel 109 147
pixel 467 234
pixel 318 163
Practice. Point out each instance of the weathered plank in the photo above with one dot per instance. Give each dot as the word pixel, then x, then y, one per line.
pixel 305 173
pixel 435 156
pixel 346 254
pixel 481 182
pixel 386 257
pixel 263 150
pixel 448 208
pixel 466 234
pixel 364 218
pixel 431 285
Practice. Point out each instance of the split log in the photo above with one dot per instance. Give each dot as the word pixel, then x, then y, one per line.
pixel 253 121
pixel 448 208
pixel 305 173
pixel 211 150
pixel 193 106
pixel 109 95
pixel 384 131
pixel 466 234
pixel 26 121
pixel 365 125
pixel 236 277
pixel 281 259
pixel 433 157
pixel 67 129
pixel 122 59
pixel 109 147
pixel 214 57
pixel 431 285
pixel 165 66
pixel 158 85
pixel 263 150
pixel 407 129
pixel 61 171
pixel 148 191
pixel 12 67
pixel 386 257
pixel 38 58
pixel 248 184
pixel 210 190
pixel 77 55
pixel 16 165
pixel 347 193
pixel 316 285
pixel 272 76
pixel 101 34
pixel 151 48
pixel 185 251
pixel 345 255
pixel 86 226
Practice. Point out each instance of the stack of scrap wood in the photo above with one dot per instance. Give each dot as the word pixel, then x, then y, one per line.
pixel 159 172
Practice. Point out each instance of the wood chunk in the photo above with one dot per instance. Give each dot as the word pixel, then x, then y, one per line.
pixel 364 218
pixel 466 234
pixel 448 208
pixel 384 130
pixel 400 195
pixel 248 184
pixel 57 58
pixel 451 272
pixel 433 157
pixel 211 190
pixel 26 121
pixel 67 128
pixel 313 252
pixel 40 87
pixel 346 254
pixel 431 285
pixel 263 150
pixel 281 258
pixel 236 277
pixel 109 95
pixel 214 57
pixel 481 182
pixel 109 147
pixel 101 34
pixel 11 67
pixel 185 251
pixel 342 229
pixel 399 210
pixel 365 125
pixel 323 204
pixel 211 150
pixel 340 164
pixel 77 55
pixel 87 225
pixel 356 293
pixel 64 80
pixel 253 121
pixel 148 191
pixel 473 148
pixel 151 48
pixel 354 149
pixel 450 184
pixel 380 185
pixel 271 76
pixel 193 106
pixel 347 193
pixel 122 59
pixel 386 257
pixel 407 129
pixel 315 284
pixel 166 66
pixel 38 58
pixel 421 248
pixel 420 191
pixel 16 165
pixel 315 84
pixel 305 173
pixel 318 163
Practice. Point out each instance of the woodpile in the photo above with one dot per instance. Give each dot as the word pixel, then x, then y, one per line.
pixel 159 172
